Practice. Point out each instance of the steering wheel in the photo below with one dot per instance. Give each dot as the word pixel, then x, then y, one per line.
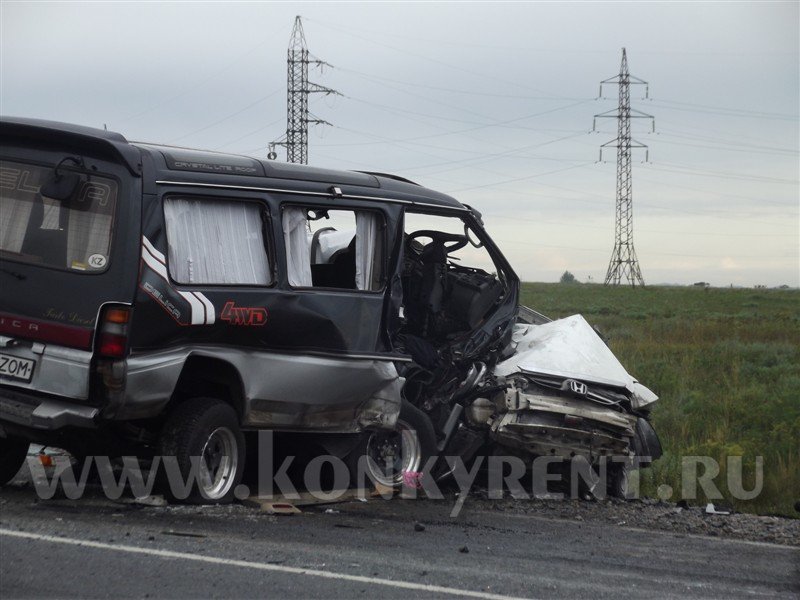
pixel 455 240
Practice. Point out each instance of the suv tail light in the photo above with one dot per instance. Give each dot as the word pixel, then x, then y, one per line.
pixel 112 337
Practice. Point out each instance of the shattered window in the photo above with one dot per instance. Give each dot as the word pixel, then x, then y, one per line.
pixel 450 282
pixel 334 248
pixel 216 242
pixel 469 255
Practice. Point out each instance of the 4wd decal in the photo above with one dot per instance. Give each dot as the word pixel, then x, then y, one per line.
pixel 243 315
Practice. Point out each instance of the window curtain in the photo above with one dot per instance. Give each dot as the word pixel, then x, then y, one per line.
pixel 87 234
pixel 367 240
pixel 212 241
pixel 298 246
pixel 14 216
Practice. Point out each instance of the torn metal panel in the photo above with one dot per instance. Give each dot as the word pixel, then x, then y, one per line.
pixel 553 425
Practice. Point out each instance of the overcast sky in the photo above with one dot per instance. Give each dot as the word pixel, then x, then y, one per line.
pixel 490 102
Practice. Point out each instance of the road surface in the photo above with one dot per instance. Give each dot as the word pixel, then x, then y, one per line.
pixel 98 548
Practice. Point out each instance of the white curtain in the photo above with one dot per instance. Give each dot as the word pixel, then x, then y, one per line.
pixel 216 241
pixel 88 233
pixel 298 246
pixel 14 216
pixel 367 240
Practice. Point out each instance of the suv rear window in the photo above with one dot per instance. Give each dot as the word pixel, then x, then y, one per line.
pixel 73 235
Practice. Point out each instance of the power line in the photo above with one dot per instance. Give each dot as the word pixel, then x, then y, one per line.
pixel 720 174
pixel 249 134
pixel 705 138
pixel 469 92
pixel 516 179
pixel 475 128
pixel 682 232
pixel 225 118
pixel 726 111
pixel 427 58
pixel 213 76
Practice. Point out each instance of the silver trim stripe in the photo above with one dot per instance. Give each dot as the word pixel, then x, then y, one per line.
pixel 201 310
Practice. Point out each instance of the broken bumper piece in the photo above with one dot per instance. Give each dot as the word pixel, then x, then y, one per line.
pixel 555 426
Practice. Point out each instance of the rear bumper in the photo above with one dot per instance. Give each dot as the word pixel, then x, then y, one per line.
pixel 41 413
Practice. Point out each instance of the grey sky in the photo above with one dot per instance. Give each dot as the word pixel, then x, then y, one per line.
pixel 492 103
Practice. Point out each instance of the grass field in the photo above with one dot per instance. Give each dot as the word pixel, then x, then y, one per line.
pixel 726 364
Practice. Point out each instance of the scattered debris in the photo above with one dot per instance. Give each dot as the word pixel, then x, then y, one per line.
pixel 330 511
pixel 151 501
pixel 464 549
pixel 712 510
pixel 311 498
pixel 271 507
pixel 183 534
pixel 419 527
pixel 384 491
pixel 412 479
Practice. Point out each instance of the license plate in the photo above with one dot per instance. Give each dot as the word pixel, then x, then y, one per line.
pixel 14 367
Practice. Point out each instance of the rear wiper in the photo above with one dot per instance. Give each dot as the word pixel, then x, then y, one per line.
pixel 62 186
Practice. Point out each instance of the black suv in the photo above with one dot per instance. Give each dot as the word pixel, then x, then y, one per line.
pixel 160 301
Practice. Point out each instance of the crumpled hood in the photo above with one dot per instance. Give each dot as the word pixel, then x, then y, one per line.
pixel 570 348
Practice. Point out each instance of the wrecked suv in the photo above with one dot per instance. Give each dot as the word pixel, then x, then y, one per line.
pixel 159 301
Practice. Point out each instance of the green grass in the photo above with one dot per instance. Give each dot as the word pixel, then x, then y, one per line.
pixel 726 364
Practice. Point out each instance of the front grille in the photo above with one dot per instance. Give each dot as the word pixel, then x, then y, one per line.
pixel 595 393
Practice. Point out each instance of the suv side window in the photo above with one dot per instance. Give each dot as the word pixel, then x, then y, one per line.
pixel 334 248
pixel 216 241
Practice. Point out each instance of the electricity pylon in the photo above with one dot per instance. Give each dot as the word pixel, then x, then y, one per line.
pixel 624 266
pixel 298 87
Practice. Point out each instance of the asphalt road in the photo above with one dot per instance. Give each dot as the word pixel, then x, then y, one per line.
pixel 96 548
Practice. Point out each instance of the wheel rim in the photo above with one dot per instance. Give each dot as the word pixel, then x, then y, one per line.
pixel 392 453
pixel 219 463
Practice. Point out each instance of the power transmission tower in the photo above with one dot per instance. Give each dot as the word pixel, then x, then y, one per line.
pixel 624 266
pixel 298 87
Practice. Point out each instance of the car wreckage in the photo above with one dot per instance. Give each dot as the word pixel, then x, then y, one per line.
pixel 162 301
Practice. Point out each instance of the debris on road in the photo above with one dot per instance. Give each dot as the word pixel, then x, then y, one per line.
pixel 712 510
pixel 272 507
pixel 183 534
pixel 157 501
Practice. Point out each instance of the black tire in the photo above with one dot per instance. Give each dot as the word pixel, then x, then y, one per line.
pixel 194 426
pixel 414 431
pixel 12 457
pixel 618 482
